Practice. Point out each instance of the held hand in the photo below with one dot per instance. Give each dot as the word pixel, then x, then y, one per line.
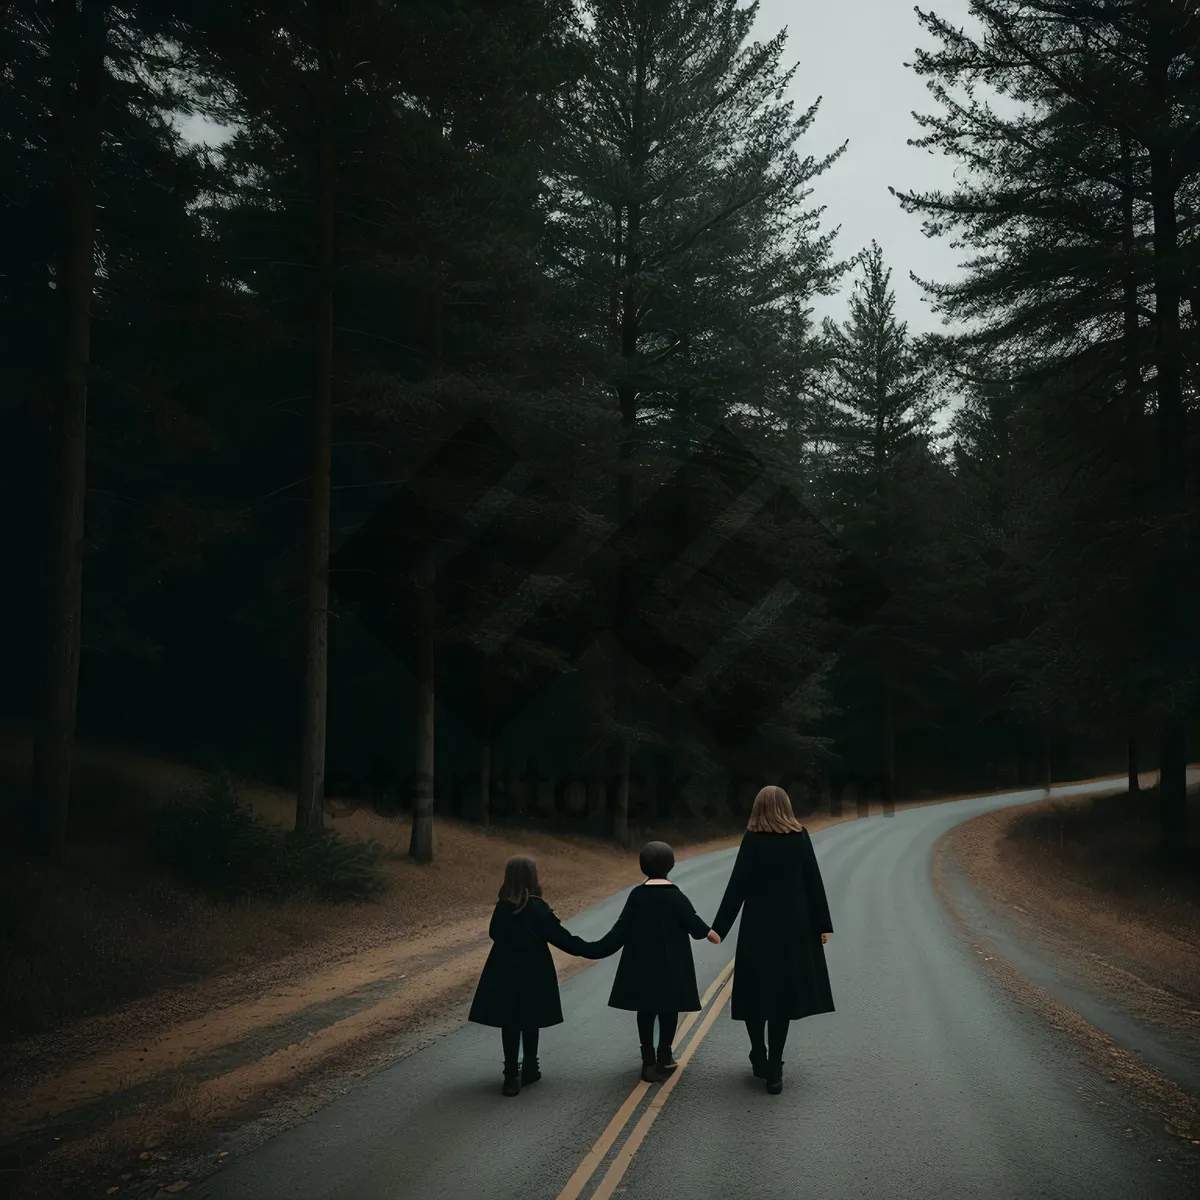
pixel 824 938
pixel 714 937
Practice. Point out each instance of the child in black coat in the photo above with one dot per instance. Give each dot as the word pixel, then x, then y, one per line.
pixel 656 976
pixel 518 988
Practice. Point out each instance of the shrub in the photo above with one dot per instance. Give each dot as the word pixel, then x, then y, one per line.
pixel 334 868
pixel 216 843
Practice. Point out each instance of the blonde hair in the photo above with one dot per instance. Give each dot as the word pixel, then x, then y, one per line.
pixel 772 813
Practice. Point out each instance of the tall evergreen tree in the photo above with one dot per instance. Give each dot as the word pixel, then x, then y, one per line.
pixel 86 140
pixel 79 68
pixel 881 401
pixel 1109 93
pixel 439 123
pixel 679 192
pixel 299 52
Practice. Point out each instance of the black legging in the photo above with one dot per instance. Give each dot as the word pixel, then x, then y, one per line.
pixel 667 1023
pixel 776 1031
pixel 512 1040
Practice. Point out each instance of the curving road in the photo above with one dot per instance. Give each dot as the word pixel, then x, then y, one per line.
pixel 928 1082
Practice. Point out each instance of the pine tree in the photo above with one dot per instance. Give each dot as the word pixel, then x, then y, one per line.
pixel 81 82
pixel 881 400
pixel 86 140
pixel 678 190
pixel 1075 211
pixel 437 283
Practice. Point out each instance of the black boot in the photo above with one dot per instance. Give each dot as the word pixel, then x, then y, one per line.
pixel 512 1080
pixel 775 1076
pixel 665 1060
pixel 530 1072
pixel 758 1063
pixel 650 1071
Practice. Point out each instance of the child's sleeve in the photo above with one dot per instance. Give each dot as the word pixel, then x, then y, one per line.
pixel 551 928
pixel 735 893
pixel 814 887
pixel 690 919
pixel 612 941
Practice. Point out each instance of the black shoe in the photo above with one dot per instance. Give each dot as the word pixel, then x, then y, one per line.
pixel 512 1082
pixel 650 1071
pixel 530 1072
pixel 758 1063
pixel 775 1078
pixel 665 1060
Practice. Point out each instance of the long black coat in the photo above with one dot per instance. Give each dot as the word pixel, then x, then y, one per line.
pixel 518 987
pixel 656 972
pixel 779 969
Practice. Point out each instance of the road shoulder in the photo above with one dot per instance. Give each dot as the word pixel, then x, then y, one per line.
pixel 1119 984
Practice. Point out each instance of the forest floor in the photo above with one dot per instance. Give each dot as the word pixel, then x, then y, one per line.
pixel 177 1016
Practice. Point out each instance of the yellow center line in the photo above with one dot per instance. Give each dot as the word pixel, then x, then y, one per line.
pixel 595 1156
pixel 621 1163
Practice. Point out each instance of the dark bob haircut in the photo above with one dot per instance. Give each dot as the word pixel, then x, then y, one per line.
pixel 657 860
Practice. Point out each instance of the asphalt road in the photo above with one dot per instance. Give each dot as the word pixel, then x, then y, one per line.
pixel 929 1081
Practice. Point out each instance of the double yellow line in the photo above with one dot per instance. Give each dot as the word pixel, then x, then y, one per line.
pixel 596 1155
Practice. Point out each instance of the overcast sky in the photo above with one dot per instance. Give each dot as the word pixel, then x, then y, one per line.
pixel 852 54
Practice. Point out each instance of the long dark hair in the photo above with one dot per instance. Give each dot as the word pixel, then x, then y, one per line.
pixel 520 881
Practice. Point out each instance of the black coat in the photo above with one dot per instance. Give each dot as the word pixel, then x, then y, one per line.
pixel 656 972
pixel 779 969
pixel 518 988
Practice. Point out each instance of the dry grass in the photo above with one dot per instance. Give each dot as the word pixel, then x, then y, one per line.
pixel 109 926
pixel 1083 879
pixel 1083 884
pixel 1111 845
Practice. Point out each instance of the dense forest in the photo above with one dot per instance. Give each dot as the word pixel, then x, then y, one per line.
pixel 464 408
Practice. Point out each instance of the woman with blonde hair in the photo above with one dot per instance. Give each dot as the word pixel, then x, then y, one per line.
pixel 779 973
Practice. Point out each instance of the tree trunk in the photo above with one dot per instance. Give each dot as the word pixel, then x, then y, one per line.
pixel 518 793
pixel 1171 426
pixel 627 265
pixel 623 698
pixel 81 50
pixel 420 845
pixel 1047 761
pixel 1172 765
pixel 485 770
pixel 310 794
pixel 621 797
pixel 887 782
pixel 1134 401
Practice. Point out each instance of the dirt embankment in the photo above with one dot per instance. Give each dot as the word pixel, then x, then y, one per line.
pixel 1080 880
